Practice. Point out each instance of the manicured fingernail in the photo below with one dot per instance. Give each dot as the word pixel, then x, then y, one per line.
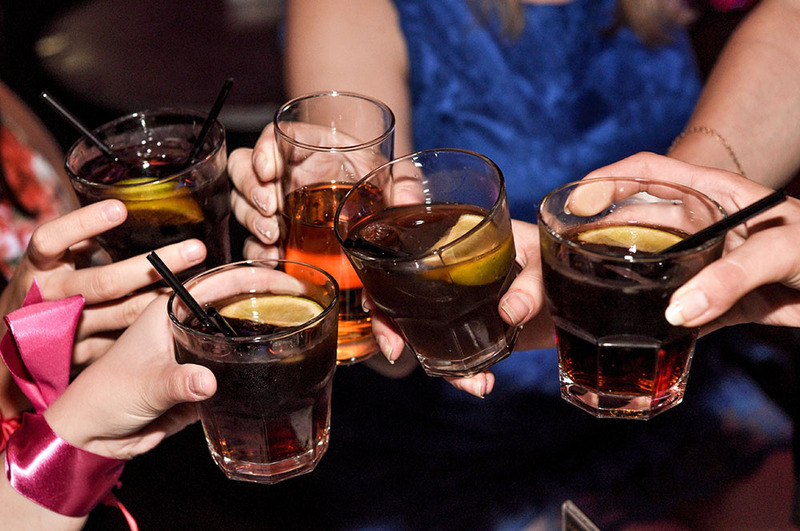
pixel 262 199
pixel 112 212
pixel 689 306
pixel 516 306
pixel 386 348
pixel 266 229
pixel 192 251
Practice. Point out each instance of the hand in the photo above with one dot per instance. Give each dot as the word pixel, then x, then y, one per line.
pixel 254 198
pixel 133 397
pixel 112 299
pixel 758 277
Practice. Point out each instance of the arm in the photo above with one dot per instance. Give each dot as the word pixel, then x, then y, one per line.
pixel 752 98
pixel 121 406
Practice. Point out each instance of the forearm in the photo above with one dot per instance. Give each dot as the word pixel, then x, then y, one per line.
pixel 18 512
pixel 752 99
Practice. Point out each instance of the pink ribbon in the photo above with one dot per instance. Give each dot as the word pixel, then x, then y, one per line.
pixel 38 346
pixel 39 464
pixel 730 5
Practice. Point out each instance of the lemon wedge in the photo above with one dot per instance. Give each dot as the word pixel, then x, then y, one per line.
pixel 482 258
pixel 632 237
pixel 165 201
pixel 276 310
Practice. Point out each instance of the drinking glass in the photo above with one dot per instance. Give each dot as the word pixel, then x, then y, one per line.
pixel 327 141
pixel 429 234
pixel 270 417
pixel 608 278
pixel 169 198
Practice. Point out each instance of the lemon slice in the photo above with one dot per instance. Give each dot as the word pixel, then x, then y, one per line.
pixel 632 237
pixel 480 259
pixel 276 310
pixel 164 201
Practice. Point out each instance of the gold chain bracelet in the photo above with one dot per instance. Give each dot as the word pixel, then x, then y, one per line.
pixel 711 132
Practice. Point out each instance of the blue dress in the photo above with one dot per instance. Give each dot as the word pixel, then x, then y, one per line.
pixel 566 97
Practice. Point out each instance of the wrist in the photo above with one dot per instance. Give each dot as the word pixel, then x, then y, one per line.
pixel 705 146
pixel 50 471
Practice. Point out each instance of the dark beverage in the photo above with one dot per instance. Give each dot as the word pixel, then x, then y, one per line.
pixel 602 349
pixel 445 303
pixel 168 198
pixel 272 405
pixel 308 236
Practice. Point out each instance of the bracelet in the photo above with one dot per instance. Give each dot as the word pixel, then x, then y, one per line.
pixel 711 132
pixel 61 477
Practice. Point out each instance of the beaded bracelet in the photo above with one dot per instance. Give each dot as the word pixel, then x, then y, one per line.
pixel 711 132
pixel 48 470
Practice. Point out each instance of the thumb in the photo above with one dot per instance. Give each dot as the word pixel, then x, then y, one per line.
pixel 184 383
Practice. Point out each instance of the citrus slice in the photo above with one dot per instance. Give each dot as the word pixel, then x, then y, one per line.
pixel 632 237
pixel 276 310
pixel 479 259
pixel 164 200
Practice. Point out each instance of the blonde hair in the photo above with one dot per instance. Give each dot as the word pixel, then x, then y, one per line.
pixel 651 20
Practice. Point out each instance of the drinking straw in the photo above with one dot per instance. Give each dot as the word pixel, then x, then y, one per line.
pixel 210 119
pixel 204 318
pixel 374 248
pixel 725 224
pixel 77 124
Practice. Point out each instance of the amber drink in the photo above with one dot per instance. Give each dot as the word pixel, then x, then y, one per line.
pixel 168 197
pixel 608 282
pixel 270 417
pixel 326 142
pixel 432 243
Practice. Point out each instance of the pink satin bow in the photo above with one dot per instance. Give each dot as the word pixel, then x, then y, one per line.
pixel 38 348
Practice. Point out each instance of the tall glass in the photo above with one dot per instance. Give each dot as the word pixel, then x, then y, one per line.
pixel 326 142
pixel 608 280
pixel 169 198
pixel 430 236
pixel 270 417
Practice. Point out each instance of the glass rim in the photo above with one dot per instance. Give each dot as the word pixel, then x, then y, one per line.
pixel 388 131
pixel 438 250
pixel 655 257
pixel 263 337
pixel 166 111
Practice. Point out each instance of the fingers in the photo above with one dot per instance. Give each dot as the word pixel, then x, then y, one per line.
pixel 52 239
pixel 479 385
pixel 255 250
pixel 254 197
pixel 110 282
pixel 714 290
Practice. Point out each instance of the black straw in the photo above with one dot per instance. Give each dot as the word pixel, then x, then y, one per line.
pixel 204 318
pixel 77 124
pixel 210 119
pixel 725 224
pixel 374 248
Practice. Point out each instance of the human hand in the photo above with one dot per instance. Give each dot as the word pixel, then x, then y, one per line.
pixel 113 301
pixel 133 397
pixel 758 277
pixel 254 198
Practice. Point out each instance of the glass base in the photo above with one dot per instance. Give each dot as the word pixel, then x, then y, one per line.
pixel 271 472
pixel 620 406
pixel 474 364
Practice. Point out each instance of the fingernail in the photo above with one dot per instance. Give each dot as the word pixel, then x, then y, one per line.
pixel 480 388
pixel 113 212
pixel 386 348
pixel 265 228
pixel 516 306
pixel 196 385
pixel 192 251
pixel 261 198
pixel 689 306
